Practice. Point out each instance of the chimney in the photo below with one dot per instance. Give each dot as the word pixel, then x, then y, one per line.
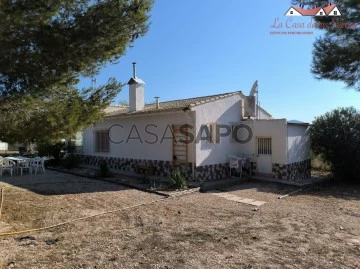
pixel 136 92
pixel 157 102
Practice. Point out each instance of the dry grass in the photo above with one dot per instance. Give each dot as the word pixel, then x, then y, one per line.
pixel 318 164
pixel 315 229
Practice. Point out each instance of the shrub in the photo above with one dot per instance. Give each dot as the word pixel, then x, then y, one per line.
pixel 55 151
pixel 336 136
pixel 178 180
pixel 318 163
pixel 144 179
pixel 71 161
pixel 104 169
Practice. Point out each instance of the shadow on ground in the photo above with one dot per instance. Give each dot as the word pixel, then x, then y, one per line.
pixel 329 188
pixel 57 183
pixel 335 189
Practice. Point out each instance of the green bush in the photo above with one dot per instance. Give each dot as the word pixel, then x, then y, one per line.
pixel 318 163
pixel 143 179
pixel 104 169
pixel 55 151
pixel 71 161
pixel 336 136
pixel 178 180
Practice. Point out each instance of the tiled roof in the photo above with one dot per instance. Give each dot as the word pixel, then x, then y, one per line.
pixel 175 105
pixel 329 8
pixel 307 12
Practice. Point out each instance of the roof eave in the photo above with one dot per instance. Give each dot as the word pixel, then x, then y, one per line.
pixel 146 113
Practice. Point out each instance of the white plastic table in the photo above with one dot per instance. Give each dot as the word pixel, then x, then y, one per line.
pixel 17 158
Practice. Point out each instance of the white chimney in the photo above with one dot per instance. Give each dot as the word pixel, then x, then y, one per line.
pixel 136 92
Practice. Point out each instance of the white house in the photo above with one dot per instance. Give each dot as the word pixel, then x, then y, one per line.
pixel 332 10
pixel 298 11
pixel 293 11
pixel 320 12
pixel 197 135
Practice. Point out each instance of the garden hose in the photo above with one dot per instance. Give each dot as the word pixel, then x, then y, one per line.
pixel 73 220
pixel 2 199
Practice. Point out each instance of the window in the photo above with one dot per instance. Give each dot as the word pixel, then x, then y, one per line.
pixel 212 130
pixel 321 13
pixel 291 12
pixel 180 149
pixel 335 13
pixel 264 145
pixel 102 141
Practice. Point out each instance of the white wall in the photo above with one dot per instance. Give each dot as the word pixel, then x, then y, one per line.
pixel 223 111
pixel 262 115
pixel 276 129
pixel 3 146
pixel 295 13
pixel 298 143
pixel 144 148
pixel 332 13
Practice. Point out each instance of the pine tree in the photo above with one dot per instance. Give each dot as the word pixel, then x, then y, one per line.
pixel 46 46
pixel 336 55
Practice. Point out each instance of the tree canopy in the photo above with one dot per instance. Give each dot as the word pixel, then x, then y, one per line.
pixel 46 46
pixel 336 55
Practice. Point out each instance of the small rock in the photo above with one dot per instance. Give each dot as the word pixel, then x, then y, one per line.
pixel 229 257
pixel 11 265
pixel 25 238
pixel 255 209
pixel 179 212
pixel 340 208
pixel 51 241
pixel 341 228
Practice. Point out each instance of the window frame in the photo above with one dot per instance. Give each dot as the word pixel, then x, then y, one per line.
pixel 265 147
pixel 104 145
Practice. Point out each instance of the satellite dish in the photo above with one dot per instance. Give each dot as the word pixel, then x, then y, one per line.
pixel 254 88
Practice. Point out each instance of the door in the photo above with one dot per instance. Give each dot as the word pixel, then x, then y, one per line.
pixel 264 155
pixel 180 149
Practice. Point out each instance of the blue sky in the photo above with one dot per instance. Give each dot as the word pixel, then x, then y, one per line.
pixel 204 47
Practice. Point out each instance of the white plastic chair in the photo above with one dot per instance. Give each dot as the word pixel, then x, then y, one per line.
pixel 234 164
pixel 7 165
pixel 26 165
pixel 38 164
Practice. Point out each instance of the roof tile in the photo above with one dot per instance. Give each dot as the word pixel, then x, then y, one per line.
pixel 116 111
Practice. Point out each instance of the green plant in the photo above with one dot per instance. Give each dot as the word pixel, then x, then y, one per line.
pixel 71 161
pixel 318 163
pixel 55 151
pixel 178 180
pixel 336 136
pixel 144 179
pixel 104 169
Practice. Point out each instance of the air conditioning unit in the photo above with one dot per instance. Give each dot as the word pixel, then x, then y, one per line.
pixel 250 107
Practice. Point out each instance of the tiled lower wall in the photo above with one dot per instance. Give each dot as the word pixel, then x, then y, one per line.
pixel 163 168
pixel 292 171
pixel 299 170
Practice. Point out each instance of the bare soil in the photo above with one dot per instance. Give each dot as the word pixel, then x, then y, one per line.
pixel 318 228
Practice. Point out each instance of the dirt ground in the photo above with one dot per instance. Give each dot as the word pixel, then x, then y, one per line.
pixel 319 228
